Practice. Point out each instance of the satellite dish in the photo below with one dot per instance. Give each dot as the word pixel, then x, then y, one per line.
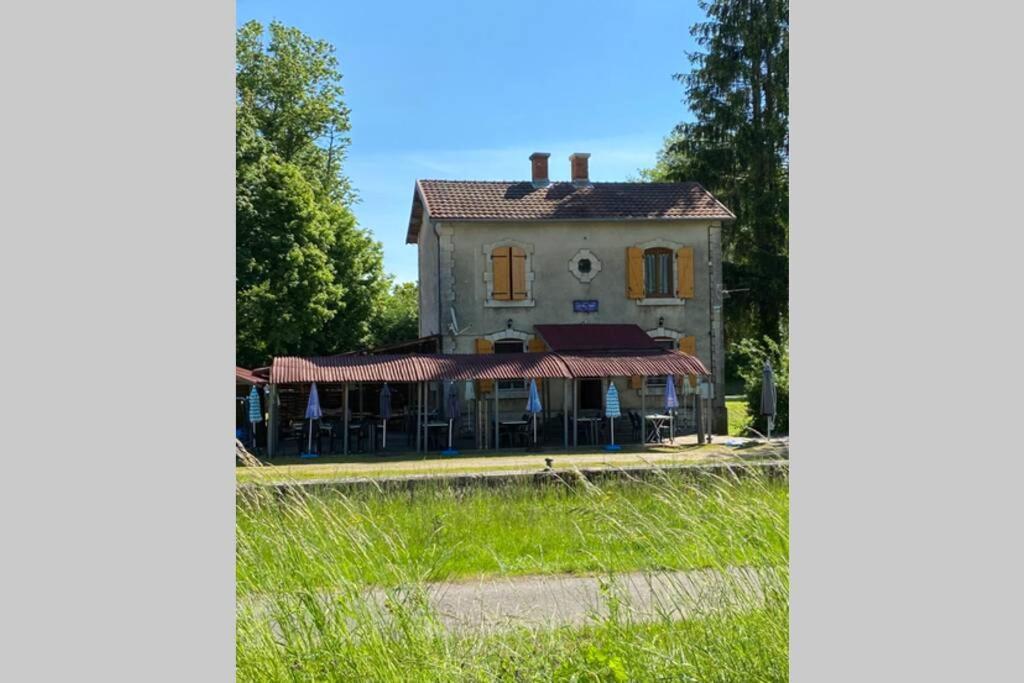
pixel 453 326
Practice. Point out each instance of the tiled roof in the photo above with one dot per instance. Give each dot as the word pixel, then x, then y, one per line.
pixel 596 337
pixel 477 200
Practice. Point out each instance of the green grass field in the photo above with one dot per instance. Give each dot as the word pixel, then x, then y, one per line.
pixel 739 416
pixel 293 550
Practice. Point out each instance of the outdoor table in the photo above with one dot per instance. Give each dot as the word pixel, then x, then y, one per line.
pixel 328 428
pixel 594 421
pixel 658 423
pixel 510 423
pixel 434 425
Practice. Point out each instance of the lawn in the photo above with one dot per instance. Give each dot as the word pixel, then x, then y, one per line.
pixel 294 549
pixel 739 416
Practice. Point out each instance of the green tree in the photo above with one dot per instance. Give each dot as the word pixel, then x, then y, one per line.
pixel 738 147
pixel 308 278
pixel 398 317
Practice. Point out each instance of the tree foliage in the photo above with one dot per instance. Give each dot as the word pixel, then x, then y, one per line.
pixel 398 317
pixel 752 354
pixel 738 147
pixel 308 278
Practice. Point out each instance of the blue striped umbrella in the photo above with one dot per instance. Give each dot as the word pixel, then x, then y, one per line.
pixel 255 415
pixel 671 402
pixel 313 412
pixel 533 407
pixel 612 411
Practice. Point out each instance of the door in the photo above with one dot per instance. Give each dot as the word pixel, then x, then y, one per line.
pixel 590 394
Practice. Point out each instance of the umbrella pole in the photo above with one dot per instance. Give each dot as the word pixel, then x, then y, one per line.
pixel 535 429
pixel 384 433
pixel 450 423
pixel 612 421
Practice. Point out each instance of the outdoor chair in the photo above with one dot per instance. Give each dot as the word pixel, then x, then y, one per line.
pixel 637 425
pixel 292 431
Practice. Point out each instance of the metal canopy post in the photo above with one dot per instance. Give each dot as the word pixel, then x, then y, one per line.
pixel 344 408
pixel 575 412
pixel 497 433
pixel 419 412
pixel 272 426
pixel 565 413
pixel 643 409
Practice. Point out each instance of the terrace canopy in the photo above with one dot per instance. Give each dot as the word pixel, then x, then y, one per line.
pixel 420 369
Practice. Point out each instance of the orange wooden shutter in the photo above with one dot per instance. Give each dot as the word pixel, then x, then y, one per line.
pixel 518 260
pixel 684 263
pixel 636 382
pixel 484 386
pixel 634 273
pixel 501 281
pixel 536 345
pixel 688 345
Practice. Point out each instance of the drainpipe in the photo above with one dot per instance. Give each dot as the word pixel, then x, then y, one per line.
pixel 437 233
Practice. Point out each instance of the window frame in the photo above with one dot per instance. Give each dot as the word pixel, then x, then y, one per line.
pixel 487 251
pixel 666 273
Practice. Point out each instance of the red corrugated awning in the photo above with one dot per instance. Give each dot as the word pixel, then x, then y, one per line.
pixel 462 366
pixel 595 337
pixel 243 376
pixel 627 365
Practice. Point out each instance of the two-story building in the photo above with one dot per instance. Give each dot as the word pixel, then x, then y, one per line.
pixel 497 259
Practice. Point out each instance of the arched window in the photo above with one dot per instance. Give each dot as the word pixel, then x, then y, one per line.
pixel 658 272
pixel 509 274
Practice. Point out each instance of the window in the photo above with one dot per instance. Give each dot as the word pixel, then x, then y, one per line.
pixel 584 265
pixel 509 274
pixel 658 272
pixel 509 346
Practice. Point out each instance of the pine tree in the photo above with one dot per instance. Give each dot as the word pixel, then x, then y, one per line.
pixel 738 147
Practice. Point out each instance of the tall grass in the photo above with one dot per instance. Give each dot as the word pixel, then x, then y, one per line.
pixel 334 588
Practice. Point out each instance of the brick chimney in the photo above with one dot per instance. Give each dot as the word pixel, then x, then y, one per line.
pixel 539 164
pixel 580 172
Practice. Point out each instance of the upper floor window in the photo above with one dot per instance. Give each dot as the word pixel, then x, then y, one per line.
pixel 659 273
pixel 658 278
pixel 509 274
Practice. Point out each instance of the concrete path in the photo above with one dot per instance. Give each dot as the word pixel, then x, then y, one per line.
pixel 547 601
pixel 490 605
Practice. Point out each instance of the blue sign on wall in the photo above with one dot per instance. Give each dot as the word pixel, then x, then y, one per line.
pixel 584 306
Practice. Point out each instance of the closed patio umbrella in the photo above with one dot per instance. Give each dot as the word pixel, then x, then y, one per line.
pixel 671 403
pixel 313 412
pixel 255 414
pixel 533 407
pixel 612 411
pixel 385 413
pixel 768 395
pixel 452 408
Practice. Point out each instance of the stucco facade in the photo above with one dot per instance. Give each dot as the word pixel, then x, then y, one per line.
pixel 456 276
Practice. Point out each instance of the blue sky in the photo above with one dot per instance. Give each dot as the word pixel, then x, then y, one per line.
pixel 467 90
